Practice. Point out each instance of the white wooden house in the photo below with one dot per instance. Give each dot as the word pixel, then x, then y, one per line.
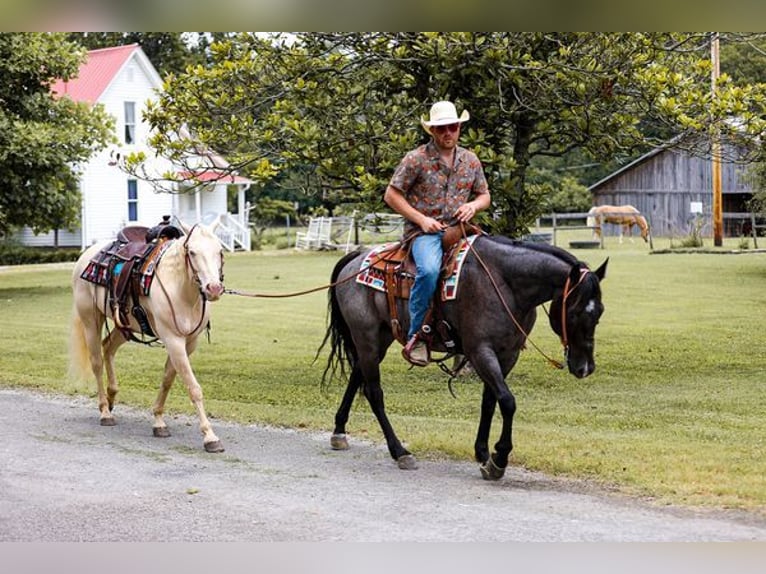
pixel 122 79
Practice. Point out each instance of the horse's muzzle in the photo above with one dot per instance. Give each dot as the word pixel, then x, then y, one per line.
pixel 213 291
pixel 583 370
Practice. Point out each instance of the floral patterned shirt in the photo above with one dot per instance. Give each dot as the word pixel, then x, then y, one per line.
pixel 432 188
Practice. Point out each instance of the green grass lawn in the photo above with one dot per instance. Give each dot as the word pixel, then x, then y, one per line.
pixel 674 411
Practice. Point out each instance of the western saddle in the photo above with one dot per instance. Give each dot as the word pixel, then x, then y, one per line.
pixel 125 267
pixel 399 270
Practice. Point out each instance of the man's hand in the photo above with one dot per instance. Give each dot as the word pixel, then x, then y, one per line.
pixel 431 225
pixel 465 212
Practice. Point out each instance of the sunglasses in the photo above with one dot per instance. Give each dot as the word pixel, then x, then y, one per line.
pixel 448 127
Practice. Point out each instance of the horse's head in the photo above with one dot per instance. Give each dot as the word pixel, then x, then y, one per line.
pixel 641 221
pixel 574 315
pixel 204 256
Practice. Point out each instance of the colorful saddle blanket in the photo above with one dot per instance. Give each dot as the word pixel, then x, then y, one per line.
pixel 374 276
pixel 107 265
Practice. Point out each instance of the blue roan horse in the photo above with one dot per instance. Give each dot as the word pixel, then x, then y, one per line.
pixel 491 318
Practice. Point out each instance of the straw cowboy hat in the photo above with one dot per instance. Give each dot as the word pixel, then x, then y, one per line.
pixel 442 114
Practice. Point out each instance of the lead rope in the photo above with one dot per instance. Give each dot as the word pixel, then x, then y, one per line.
pixel 314 289
pixel 550 360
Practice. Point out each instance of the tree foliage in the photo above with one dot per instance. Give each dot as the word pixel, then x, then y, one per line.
pixel 743 58
pixel 344 107
pixel 745 62
pixel 42 137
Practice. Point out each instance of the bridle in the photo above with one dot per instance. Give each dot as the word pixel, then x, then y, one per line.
pixel 195 277
pixel 190 264
pixel 568 289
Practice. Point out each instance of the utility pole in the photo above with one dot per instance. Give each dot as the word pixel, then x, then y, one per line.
pixel 715 149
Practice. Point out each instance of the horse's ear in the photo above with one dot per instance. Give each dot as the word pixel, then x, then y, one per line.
pixel 601 271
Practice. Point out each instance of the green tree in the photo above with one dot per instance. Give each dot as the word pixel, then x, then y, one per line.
pixel 745 62
pixel 43 137
pixel 265 213
pixel 347 105
pixel 743 57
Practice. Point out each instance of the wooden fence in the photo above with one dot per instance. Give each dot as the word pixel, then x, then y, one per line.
pixel 737 224
pixel 560 221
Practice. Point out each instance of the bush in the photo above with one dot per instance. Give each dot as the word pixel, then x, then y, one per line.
pixel 694 239
pixel 14 254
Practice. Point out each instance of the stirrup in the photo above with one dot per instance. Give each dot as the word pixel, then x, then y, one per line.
pixel 421 337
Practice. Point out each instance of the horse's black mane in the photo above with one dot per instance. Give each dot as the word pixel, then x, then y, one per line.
pixel 554 251
pixel 536 246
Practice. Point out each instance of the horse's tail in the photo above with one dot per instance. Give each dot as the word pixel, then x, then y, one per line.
pixel 342 349
pixel 79 357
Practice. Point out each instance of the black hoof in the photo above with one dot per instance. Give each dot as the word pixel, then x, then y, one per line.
pixel 339 442
pixel 161 432
pixel 490 471
pixel 214 446
pixel 108 422
pixel 407 462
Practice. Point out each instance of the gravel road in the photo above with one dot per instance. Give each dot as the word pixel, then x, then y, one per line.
pixel 65 478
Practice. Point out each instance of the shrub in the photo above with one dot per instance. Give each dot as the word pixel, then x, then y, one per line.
pixel 15 254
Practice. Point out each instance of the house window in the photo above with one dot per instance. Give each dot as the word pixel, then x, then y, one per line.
pixel 130 122
pixel 132 200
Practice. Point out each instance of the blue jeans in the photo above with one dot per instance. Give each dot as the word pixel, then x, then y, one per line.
pixel 427 253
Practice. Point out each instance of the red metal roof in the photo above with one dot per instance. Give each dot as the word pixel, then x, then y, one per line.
pixel 206 175
pixel 95 74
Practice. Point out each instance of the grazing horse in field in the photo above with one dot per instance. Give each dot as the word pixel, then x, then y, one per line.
pixel 173 308
pixel 626 216
pixel 501 284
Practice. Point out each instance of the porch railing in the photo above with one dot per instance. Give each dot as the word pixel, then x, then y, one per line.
pixel 230 232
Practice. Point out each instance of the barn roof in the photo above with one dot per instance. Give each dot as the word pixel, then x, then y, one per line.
pixel 96 74
pixel 646 157
pixel 627 167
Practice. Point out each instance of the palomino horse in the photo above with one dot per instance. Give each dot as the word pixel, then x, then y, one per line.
pixel 501 284
pixel 626 216
pixel 189 274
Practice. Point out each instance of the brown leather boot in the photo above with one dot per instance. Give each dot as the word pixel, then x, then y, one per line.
pixel 416 351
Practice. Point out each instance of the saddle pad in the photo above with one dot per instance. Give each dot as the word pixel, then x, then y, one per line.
pixel 450 284
pixel 97 271
pixel 376 279
pixel 371 276
pixel 150 266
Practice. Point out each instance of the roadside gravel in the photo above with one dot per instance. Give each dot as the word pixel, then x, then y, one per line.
pixel 64 478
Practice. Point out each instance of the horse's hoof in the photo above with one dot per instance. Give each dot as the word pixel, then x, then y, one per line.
pixel 407 462
pixel 214 446
pixel 339 441
pixel 490 471
pixel 108 422
pixel 161 432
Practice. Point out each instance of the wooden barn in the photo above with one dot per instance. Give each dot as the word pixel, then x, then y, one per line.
pixel 671 187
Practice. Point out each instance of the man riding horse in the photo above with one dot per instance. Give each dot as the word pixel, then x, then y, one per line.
pixel 431 189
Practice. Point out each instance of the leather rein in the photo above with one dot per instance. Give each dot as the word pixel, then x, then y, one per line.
pixel 568 289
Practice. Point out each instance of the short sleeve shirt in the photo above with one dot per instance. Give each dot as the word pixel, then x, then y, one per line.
pixel 434 189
